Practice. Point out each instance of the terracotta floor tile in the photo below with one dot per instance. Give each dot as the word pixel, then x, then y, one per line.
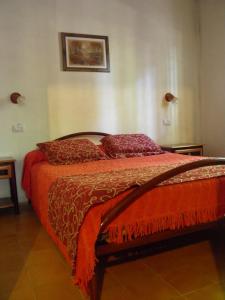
pixel 38 240
pixel 9 244
pixel 12 261
pixel 178 298
pixel 188 278
pixel 177 258
pixel 109 281
pixel 35 244
pixel 113 289
pixel 31 267
pixel 62 290
pixel 117 293
pixel 142 282
pixel 14 280
pixel 28 233
pixel 212 292
pixel 42 258
pixel 7 227
pixel 25 293
pixel 49 273
pixel 190 268
pixel 214 268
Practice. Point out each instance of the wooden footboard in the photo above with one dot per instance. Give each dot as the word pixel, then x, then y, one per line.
pixel 103 252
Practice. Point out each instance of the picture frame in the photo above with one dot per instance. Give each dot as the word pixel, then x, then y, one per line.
pixel 85 52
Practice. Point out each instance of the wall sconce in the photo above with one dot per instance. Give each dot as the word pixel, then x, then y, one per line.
pixel 170 97
pixel 16 98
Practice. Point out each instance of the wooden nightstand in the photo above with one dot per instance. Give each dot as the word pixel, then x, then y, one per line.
pixel 7 171
pixel 190 149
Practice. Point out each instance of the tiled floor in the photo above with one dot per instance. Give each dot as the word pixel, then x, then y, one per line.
pixel 31 268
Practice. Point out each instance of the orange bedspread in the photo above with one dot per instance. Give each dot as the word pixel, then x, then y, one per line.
pixel 179 202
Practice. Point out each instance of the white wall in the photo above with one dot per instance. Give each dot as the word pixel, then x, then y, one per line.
pixel 24 52
pixel 154 48
pixel 213 75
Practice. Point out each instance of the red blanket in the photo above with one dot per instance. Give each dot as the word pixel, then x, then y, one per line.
pixel 70 198
pixel 32 158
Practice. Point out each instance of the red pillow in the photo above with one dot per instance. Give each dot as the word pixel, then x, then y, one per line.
pixel 67 152
pixel 130 145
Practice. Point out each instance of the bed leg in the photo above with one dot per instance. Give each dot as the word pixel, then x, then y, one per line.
pixel 97 281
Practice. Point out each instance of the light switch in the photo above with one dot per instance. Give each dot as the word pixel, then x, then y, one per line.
pixel 166 122
pixel 17 128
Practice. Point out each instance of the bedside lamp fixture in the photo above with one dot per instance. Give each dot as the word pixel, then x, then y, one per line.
pixel 170 97
pixel 16 98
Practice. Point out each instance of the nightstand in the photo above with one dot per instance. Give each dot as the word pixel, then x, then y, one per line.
pixel 190 149
pixel 7 172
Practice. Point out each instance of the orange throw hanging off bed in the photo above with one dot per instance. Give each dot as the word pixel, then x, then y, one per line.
pixel 71 197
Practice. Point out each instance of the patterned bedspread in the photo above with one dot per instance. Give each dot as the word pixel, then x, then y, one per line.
pixel 71 197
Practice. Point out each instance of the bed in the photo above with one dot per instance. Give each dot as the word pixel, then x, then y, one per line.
pixel 151 202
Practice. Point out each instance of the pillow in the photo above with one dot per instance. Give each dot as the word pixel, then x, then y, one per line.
pixel 43 146
pixel 129 145
pixel 71 151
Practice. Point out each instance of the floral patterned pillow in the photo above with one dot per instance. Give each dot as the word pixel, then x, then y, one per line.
pixel 72 151
pixel 130 145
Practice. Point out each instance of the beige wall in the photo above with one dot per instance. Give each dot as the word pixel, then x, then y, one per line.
pixel 154 48
pixel 213 76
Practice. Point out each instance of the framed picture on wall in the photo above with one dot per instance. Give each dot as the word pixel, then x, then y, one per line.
pixel 85 52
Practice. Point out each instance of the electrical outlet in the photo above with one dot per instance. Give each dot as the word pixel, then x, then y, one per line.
pixel 166 122
pixel 16 128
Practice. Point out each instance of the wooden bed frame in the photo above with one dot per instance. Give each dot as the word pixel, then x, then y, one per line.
pixel 111 253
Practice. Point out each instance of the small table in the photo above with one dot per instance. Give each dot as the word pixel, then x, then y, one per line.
pixel 185 148
pixel 7 171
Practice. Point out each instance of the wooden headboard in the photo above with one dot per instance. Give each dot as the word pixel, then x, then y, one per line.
pixel 85 133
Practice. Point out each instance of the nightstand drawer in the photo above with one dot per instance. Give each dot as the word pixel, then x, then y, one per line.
pixel 5 172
